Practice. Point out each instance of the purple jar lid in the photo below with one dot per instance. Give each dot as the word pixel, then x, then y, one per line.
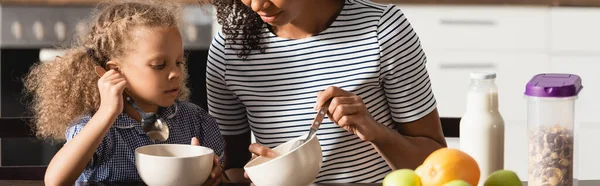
pixel 554 85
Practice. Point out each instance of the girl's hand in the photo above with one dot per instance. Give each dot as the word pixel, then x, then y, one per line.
pixel 348 111
pixel 111 85
pixel 215 176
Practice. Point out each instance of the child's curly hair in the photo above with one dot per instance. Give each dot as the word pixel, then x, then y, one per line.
pixel 67 88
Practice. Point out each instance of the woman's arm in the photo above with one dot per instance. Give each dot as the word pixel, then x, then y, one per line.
pixel 411 143
pixel 406 147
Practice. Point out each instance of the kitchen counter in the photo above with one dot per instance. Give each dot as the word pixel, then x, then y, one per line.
pixel 40 183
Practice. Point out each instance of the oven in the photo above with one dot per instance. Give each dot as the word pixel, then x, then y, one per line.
pixel 29 34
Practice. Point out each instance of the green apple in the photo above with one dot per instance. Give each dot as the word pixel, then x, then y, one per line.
pixel 503 178
pixel 457 183
pixel 402 177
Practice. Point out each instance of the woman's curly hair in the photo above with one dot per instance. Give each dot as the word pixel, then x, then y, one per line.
pixel 241 25
pixel 66 89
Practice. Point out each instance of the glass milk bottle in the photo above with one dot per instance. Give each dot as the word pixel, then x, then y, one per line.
pixel 482 126
pixel 550 118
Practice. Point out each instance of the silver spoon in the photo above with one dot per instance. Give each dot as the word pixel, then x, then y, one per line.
pixel 314 126
pixel 155 128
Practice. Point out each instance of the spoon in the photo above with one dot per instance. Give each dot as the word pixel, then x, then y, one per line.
pixel 155 128
pixel 314 126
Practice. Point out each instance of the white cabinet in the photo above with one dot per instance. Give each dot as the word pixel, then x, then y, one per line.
pixel 587 68
pixel 512 41
pixel 575 30
pixel 480 28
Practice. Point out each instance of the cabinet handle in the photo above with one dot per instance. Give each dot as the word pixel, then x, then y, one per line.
pixel 467 22
pixel 467 66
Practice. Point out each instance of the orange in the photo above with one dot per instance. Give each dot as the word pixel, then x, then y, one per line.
pixel 445 165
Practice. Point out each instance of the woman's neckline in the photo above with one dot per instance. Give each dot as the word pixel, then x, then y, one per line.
pixel 329 28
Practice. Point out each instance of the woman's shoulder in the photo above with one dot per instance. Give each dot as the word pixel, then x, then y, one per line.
pixel 368 6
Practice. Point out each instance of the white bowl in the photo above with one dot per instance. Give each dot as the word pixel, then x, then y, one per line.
pixel 298 167
pixel 174 164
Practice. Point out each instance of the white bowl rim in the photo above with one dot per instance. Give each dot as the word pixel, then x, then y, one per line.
pixel 210 151
pixel 314 137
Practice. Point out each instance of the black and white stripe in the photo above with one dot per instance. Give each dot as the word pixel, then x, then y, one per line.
pixel 370 50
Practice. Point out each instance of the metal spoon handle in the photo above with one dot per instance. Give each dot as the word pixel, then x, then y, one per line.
pixel 318 119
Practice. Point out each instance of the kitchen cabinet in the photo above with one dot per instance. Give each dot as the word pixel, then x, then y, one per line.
pixel 575 30
pixel 511 41
pixel 479 28
pixel 587 104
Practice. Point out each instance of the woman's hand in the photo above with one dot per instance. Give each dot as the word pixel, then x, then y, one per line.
pixel 348 111
pixel 215 177
pixel 259 150
pixel 111 86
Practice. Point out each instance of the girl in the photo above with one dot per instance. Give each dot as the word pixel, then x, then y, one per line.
pixel 141 47
pixel 273 56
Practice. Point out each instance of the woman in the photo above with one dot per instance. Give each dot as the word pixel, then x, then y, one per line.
pixel 272 58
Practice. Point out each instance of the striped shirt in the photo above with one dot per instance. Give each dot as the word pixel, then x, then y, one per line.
pixel 370 50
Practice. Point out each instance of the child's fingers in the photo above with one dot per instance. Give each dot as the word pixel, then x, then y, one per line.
pixel 195 141
pixel 117 80
pixel 215 174
pixel 110 75
pixel 217 182
pixel 109 81
pixel 121 86
pixel 216 171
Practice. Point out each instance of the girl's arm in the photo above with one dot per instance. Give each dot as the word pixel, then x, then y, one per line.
pixel 70 161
